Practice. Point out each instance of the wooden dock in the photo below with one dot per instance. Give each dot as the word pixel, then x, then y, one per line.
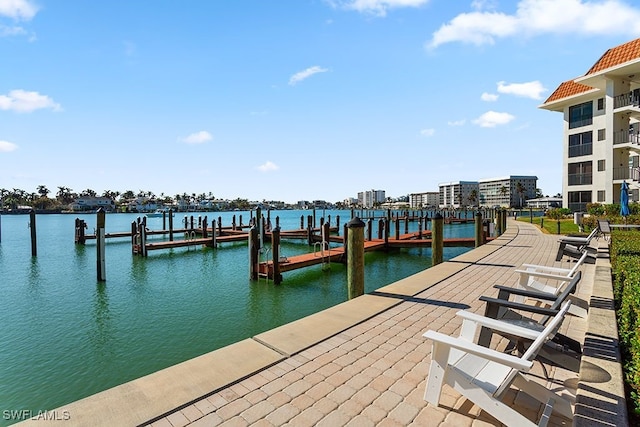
pixel 336 254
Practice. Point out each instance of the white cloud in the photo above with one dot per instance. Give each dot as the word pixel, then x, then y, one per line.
pixel 534 17
pixel 197 138
pixel 457 122
pixel 268 167
pixel 427 132
pixel 376 7
pixel 18 9
pixel 6 146
pixel 489 97
pixel 492 119
pixel 6 31
pixel 23 101
pixel 531 90
pixel 305 74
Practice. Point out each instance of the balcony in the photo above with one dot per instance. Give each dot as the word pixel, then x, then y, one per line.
pixel 621 173
pixel 627 99
pixel 580 179
pixel 580 150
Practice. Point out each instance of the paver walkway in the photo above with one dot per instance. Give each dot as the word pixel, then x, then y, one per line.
pixel 373 373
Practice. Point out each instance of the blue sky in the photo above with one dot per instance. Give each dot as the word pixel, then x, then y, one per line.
pixel 290 99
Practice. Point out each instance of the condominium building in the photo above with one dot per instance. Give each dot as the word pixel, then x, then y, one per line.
pixel 458 194
pixel 508 191
pixel 601 137
pixel 423 200
pixel 371 198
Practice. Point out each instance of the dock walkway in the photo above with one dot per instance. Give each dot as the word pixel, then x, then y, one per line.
pixel 361 363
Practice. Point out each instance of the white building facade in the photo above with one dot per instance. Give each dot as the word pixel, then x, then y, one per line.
pixel 507 192
pixel 601 131
pixel 371 198
pixel 423 200
pixel 458 194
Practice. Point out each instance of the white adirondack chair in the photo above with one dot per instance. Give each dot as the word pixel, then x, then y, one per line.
pixel 483 375
pixel 551 280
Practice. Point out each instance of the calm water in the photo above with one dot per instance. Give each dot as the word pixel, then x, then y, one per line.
pixel 65 336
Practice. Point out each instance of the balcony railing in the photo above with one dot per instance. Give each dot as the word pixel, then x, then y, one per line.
pixel 580 150
pixel 578 207
pixel 622 172
pixel 580 179
pixel 626 99
pixel 624 137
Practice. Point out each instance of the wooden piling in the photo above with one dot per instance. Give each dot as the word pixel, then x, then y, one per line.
pixel 437 240
pixel 326 232
pixel 479 230
pixel 164 220
pixel 204 227
pixel 170 225
pixel 275 250
pixel 32 226
pixel 499 222
pixel 100 256
pixel 505 213
pixel 214 244
pixel 397 227
pixel 369 229
pixel 80 226
pixel 338 224
pixel 355 258
pixel 254 261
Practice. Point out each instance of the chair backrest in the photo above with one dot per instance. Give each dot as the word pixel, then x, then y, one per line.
pixel 591 235
pixel 580 261
pixel 603 225
pixel 548 333
pixel 562 296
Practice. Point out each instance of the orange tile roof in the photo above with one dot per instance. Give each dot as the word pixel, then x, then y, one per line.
pixel 612 57
pixel 616 56
pixel 567 89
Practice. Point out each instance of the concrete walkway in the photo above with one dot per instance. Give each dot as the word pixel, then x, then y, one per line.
pixel 361 363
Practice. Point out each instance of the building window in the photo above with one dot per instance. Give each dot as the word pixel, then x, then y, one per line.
pixel 578 200
pixel 600 104
pixel 601 165
pixel 580 173
pixel 581 115
pixel 601 194
pixel 580 144
pixel 602 134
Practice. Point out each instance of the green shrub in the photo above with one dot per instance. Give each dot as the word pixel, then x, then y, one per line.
pixel 625 264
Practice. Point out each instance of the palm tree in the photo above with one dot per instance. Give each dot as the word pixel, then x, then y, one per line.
pixel 520 190
pixel 473 197
pixel 43 191
pixel 503 192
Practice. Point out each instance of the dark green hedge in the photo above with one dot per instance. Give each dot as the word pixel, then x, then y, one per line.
pixel 625 264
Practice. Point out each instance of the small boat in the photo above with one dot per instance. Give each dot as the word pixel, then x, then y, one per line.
pixel 158 213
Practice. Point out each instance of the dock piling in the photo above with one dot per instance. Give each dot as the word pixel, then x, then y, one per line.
pixel 32 226
pixel 479 230
pixel 275 250
pixel 100 246
pixel 355 258
pixel 254 260
pixel 437 241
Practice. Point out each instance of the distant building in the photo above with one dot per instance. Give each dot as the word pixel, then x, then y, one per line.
pixel 504 192
pixel 371 198
pixel 88 203
pixel 545 202
pixel 423 200
pixel 458 194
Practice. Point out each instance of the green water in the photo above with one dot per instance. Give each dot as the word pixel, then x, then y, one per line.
pixel 64 336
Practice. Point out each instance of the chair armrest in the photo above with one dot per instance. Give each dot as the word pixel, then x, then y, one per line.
pixel 477 350
pixel 498 325
pixel 545 268
pixel 543 275
pixel 525 293
pixel 519 306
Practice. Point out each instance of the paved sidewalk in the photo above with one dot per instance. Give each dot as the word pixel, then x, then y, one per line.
pixel 372 373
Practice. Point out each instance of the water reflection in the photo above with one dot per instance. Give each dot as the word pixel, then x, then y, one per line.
pixel 101 333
